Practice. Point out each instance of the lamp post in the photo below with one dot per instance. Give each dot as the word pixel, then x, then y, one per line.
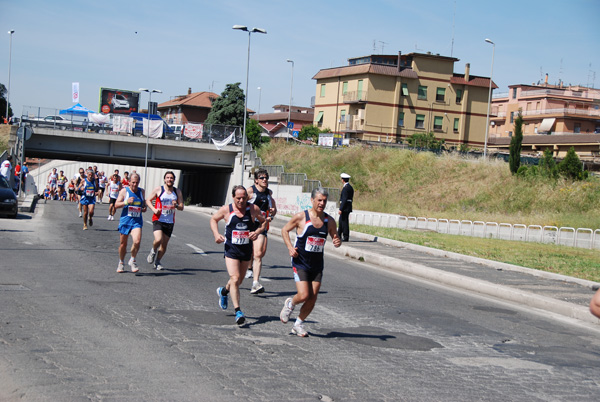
pixel 150 92
pixel 258 113
pixel 250 32
pixel 11 32
pixel 487 120
pixel 290 107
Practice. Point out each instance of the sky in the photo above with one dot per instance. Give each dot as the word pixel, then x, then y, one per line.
pixel 175 45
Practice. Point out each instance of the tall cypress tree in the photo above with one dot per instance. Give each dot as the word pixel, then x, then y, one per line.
pixel 228 109
pixel 514 159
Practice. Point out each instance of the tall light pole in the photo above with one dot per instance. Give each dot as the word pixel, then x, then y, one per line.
pixel 250 32
pixel 11 32
pixel 150 92
pixel 258 113
pixel 290 107
pixel 487 120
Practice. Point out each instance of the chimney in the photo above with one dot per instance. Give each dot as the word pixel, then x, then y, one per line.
pixel 399 61
pixel 546 80
pixel 467 70
pixel 189 91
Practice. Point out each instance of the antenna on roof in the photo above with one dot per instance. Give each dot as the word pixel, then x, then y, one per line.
pixel 453 18
pixel 382 45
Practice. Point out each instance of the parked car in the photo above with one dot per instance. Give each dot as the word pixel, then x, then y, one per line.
pixel 8 200
pixel 53 121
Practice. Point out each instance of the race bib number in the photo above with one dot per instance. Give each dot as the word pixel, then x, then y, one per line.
pixel 114 194
pixel 134 212
pixel 314 244
pixel 89 193
pixel 168 210
pixel 240 237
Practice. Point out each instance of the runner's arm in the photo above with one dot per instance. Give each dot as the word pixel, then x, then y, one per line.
pixel 332 228
pixel 153 195
pixel 292 224
pixel 595 304
pixel 179 198
pixel 214 224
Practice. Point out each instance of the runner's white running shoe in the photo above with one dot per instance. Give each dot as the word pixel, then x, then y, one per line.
pixel 133 264
pixel 299 330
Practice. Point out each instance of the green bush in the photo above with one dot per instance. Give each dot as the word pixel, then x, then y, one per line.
pixel 571 167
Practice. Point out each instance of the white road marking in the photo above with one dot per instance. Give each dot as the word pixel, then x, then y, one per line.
pixel 197 250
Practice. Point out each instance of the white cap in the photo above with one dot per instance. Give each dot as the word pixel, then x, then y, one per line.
pixel 345 176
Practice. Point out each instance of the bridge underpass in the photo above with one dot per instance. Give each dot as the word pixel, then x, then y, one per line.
pixel 206 173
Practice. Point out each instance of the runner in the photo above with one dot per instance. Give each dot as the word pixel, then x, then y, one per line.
pixel 60 182
pixel 78 179
pixel 125 181
pixel 52 181
pixel 312 227
pixel 260 195
pixel 113 193
pixel 102 180
pixel 72 190
pixel 240 231
pixel 131 199
pixel 87 187
pixel 167 199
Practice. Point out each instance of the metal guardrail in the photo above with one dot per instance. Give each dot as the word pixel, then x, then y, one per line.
pixel 565 236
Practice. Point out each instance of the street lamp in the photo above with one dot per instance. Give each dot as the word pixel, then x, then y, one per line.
pixel 487 120
pixel 290 108
pixel 11 32
pixel 258 113
pixel 150 92
pixel 250 32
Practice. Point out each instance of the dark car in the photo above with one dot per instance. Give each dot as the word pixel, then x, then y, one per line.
pixel 8 200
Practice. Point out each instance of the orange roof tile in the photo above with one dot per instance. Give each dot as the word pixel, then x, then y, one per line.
pixel 196 99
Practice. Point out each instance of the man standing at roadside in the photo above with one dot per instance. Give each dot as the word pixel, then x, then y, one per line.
pixel 6 168
pixel 167 199
pixel 260 195
pixel 345 207
pixel 312 227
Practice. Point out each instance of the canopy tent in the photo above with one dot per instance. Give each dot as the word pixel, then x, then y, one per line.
pixel 77 110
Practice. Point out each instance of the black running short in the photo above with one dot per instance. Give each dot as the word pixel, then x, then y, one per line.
pixel 166 228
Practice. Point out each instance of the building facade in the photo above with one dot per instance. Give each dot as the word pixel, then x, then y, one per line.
pixel 389 97
pixel 191 108
pixel 274 124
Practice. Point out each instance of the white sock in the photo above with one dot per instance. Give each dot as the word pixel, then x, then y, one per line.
pixel 298 321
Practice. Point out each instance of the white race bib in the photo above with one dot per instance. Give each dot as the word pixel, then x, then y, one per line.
pixel 134 212
pixel 314 244
pixel 89 193
pixel 240 237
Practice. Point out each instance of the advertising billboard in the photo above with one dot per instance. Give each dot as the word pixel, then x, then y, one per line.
pixel 118 101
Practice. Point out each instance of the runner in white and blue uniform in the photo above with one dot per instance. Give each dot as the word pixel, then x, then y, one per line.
pixel 260 195
pixel 240 231
pixel 312 227
pixel 113 193
pixel 131 199
pixel 167 199
pixel 87 188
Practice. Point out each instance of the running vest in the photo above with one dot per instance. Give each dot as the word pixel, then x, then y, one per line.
pixel 262 199
pixel 61 180
pixel 52 179
pixel 166 204
pixel 89 189
pixel 237 230
pixel 113 190
pixel 311 244
pixel 133 210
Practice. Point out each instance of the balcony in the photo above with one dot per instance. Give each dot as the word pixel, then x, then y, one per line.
pixel 558 92
pixel 355 97
pixel 354 124
pixel 563 112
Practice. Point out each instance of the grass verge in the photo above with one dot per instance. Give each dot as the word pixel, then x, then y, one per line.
pixel 571 261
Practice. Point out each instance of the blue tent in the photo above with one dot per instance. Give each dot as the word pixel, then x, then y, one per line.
pixel 77 110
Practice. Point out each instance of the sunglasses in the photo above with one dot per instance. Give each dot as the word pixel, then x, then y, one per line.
pixel 263 178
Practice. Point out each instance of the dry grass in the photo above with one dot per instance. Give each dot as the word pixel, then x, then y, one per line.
pixel 423 184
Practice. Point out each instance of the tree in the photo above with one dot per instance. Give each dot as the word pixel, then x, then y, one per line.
pixel 547 165
pixel 571 167
pixel 228 109
pixel 3 93
pixel 309 132
pixel 514 158
pixel 253 134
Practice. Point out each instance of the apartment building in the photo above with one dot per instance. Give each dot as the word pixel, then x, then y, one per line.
pixel 547 109
pixel 193 107
pixel 389 97
pixel 274 124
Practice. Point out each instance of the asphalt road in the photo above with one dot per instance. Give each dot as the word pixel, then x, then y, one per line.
pixel 73 329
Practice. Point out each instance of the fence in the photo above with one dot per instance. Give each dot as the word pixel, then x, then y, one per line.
pixel 565 236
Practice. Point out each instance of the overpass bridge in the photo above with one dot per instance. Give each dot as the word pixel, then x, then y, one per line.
pixel 207 173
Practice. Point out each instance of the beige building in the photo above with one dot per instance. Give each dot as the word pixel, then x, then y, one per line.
pixel 389 97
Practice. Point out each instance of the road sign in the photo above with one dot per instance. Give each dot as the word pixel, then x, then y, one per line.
pixel 290 125
pixel 295 134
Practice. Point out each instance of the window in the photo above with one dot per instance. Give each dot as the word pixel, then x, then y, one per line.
pixel 440 94
pixel 420 123
pixel 360 88
pixel 510 133
pixel 514 92
pixel 437 122
pixel 345 88
pixel 422 92
pixel 512 117
pixel 322 90
pixel 404 91
pixel 577 129
pixel 456 121
pixel 342 116
pixel 459 94
pixel 401 119
pixel 320 119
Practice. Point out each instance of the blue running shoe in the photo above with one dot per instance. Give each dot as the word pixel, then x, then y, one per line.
pixel 240 318
pixel 222 299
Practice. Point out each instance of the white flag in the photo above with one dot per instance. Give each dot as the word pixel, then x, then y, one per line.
pixel 75 92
